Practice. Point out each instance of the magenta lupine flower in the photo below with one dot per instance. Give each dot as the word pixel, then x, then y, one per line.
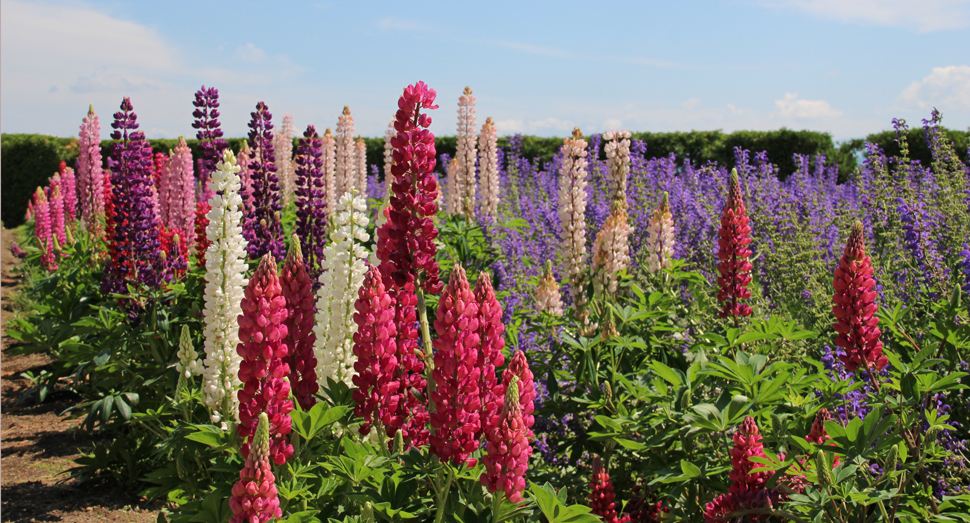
pixel 135 244
pixel 855 308
pixel 409 413
pixel 405 243
pixel 90 176
pixel 491 333
pixel 455 398
pixel 311 201
pixel 748 489
pixel 43 231
pixel 209 132
pixel 56 203
pixel 69 195
pixel 601 495
pixel 263 230
pixel 263 370
pixel 376 351
pixel 507 447
pixel 180 198
pixel 733 267
pixel 254 497
pixel 298 292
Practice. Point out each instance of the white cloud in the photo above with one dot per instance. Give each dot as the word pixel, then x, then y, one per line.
pixel 791 106
pixel 543 126
pixel 250 53
pixel 921 15
pixel 397 24
pixel 691 104
pixel 945 88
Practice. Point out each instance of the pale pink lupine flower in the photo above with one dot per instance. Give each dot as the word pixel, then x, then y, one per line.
pixel 611 251
pixel 488 172
pixel 466 154
pixel 246 187
pixel 660 238
pixel 360 155
pixel 181 192
pixel 329 172
pixel 548 298
pixel 90 174
pixel 56 205
pixel 618 163
pixel 572 213
pixel 453 196
pixel 345 164
pixel 283 145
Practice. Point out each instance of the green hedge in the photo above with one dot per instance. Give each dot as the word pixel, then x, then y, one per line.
pixel 27 162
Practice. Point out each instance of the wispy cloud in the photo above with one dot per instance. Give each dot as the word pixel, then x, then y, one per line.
pixel 922 15
pixel 791 106
pixel 945 88
pixel 389 23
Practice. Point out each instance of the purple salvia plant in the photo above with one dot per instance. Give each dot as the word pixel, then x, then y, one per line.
pixel 264 231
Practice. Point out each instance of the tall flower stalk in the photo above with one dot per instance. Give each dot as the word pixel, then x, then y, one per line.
pixel 488 169
pixel 254 497
pixel 344 266
pixel 225 279
pixel 90 174
pixel 345 173
pixel 283 146
pixel 177 193
pixel 572 215
pixel 548 298
pixel 209 130
pixel 266 230
pixel 491 338
pixel 509 432
pixel 360 157
pixel 330 172
pixel 298 292
pixel 733 267
pixel 855 308
pixel 618 164
pixel 377 393
pixel 466 154
pixel 660 237
pixel 311 202
pixel 611 251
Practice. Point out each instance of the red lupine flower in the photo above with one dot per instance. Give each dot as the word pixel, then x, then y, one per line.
pixel 376 351
pixel 748 488
pixel 455 419
pixel 254 497
pixel 263 370
pixel 201 241
pixel 507 448
pixel 298 292
pixel 855 307
pixel 491 335
pixel 733 266
pixel 818 435
pixel 644 506
pixel 407 411
pixel 175 253
pixel 405 243
pixel 601 496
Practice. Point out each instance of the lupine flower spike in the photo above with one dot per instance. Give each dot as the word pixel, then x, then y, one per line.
pixel 329 172
pixel 466 155
pixel 611 251
pixel 188 364
pixel 254 497
pixel 90 175
pixel 618 164
pixel 266 231
pixel 488 173
pixel 748 489
pixel 733 267
pixel 311 203
pixel 345 174
pixel 283 147
pixel 298 292
pixel 548 298
pixel 572 214
pixel 660 238
pixel 263 371
pixel 491 337
pixel 601 495
pixel 855 308
pixel 376 392
pixel 507 447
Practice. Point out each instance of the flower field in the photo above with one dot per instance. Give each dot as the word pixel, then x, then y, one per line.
pixel 286 333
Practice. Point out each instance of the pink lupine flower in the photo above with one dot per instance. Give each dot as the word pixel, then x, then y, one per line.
pixel 452 197
pixel 254 497
pixel 330 172
pixel 466 154
pixel 263 371
pixel 376 351
pixel 572 214
pixel 90 176
pixel 855 308
pixel 548 297
pixel 488 172
pixel 601 495
pixel 507 448
pixel 176 193
pixel 298 291
pixel 748 489
pixel 408 412
pixel 455 397
pixel 56 210
pixel 611 251
pixel 69 195
pixel 345 164
pixel 818 435
pixel 660 237
pixel 491 332
pixel 360 157
pixel 617 151
pixel 733 267
pixel 43 231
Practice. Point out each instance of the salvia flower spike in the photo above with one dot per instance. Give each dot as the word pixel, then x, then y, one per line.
pixel 854 307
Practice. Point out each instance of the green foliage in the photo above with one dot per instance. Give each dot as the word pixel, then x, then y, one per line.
pixel 28 161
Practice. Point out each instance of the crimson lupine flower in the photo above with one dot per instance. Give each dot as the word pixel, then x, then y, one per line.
pixel 263 370
pixel 455 419
pixel 601 496
pixel 376 351
pixel 264 231
pixel 135 246
pixel 409 413
pixel 311 201
pixel 818 435
pixel 507 448
pixel 175 247
pixel 201 240
pixel 855 307
pixel 733 266
pixel 405 243
pixel 491 332
pixel 298 291
pixel 254 497
pixel 748 488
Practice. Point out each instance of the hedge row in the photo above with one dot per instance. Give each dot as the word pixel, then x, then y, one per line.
pixel 28 160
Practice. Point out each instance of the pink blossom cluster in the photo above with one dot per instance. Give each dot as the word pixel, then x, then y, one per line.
pixel 90 174
pixel 749 489
pixel 509 431
pixel 601 495
pixel 855 307
pixel 298 292
pixel 176 192
pixel 376 394
pixel 254 497
pixel 733 267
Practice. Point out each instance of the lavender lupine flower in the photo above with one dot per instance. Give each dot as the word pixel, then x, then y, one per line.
pixel 488 141
pixel 283 145
pixel 265 232
pixel 311 219
pixel 346 165
pixel 90 176
pixel 136 258
pixel 466 155
pixel 209 132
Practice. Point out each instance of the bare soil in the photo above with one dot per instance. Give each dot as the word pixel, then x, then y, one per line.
pixel 37 443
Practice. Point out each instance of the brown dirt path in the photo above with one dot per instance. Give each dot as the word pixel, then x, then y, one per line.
pixel 37 444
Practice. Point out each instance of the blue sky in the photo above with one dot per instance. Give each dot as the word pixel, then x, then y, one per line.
pixel 838 66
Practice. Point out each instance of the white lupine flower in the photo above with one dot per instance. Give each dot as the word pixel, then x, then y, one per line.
pixel 488 141
pixel 572 212
pixel 548 298
pixel 343 274
pixel 189 364
pixel 346 164
pixel 660 238
pixel 360 156
pixel 389 156
pixel 618 163
pixel 380 220
pixel 466 154
pixel 611 251
pixel 225 276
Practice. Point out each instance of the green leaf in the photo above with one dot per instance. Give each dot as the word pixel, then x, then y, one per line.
pixel 123 408
pixel 690 470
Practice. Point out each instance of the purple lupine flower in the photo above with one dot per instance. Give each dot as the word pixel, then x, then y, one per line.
pixel 311 201
pixel 135 245
pixel 209 133
pixel 263 230
pixel 964 265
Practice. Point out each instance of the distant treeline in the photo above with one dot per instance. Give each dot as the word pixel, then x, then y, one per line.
pixel 28 160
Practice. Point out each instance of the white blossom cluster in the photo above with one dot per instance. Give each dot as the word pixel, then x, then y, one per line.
pixel 660 238
pixel 618 163
pixel 488 168
pixel 188 364
pixel 572 211
pixel 343 274
pixel 225 276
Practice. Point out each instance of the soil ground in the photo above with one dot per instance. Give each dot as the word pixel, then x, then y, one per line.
pixel 37 443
